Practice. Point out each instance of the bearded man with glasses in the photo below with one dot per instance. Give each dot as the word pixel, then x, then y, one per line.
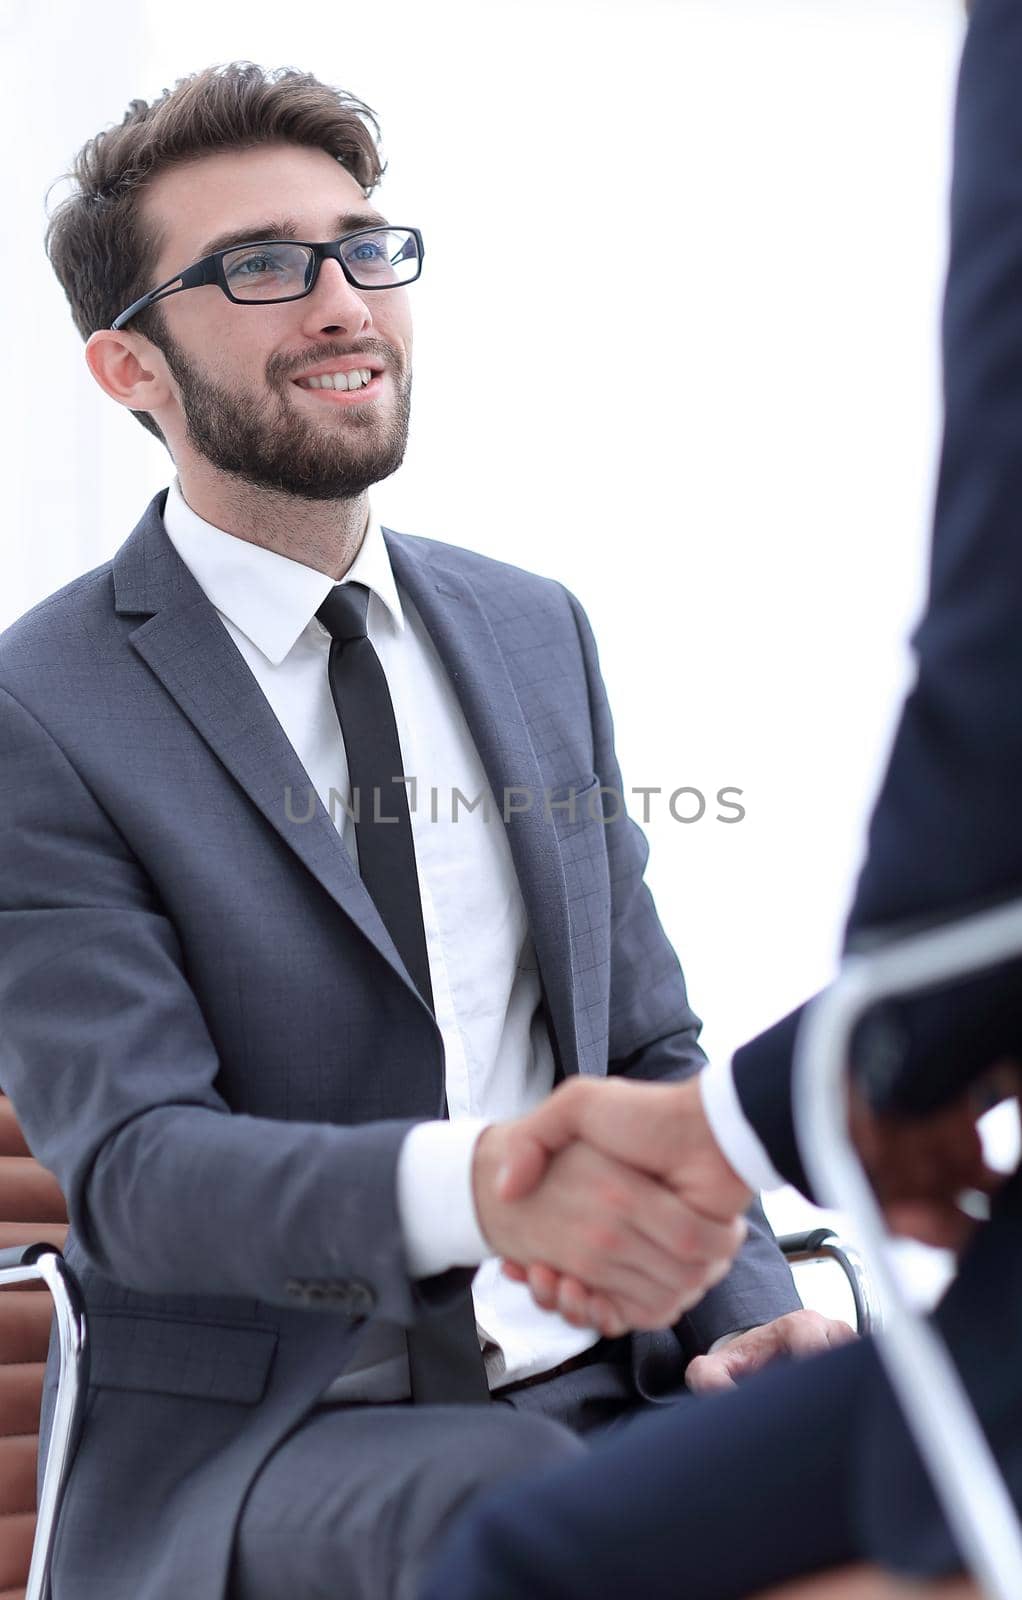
pixel 269 1017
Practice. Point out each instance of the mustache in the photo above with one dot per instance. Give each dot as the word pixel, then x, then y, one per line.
pixel 375 350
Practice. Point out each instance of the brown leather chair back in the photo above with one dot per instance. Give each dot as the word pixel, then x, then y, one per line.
pixel 31 1209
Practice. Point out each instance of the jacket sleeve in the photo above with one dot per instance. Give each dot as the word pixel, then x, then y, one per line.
pixel 944 837
pixel 111 1069
pixel 654 1033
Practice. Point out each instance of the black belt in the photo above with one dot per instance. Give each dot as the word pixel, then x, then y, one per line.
pixel 602 1350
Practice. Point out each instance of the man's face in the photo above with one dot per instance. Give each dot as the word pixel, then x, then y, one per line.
pixel 234 365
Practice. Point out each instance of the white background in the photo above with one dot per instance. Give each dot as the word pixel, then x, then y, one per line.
pixel 695 378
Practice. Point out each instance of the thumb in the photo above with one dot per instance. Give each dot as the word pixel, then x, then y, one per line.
pixel 531 1142
pixel 523 1166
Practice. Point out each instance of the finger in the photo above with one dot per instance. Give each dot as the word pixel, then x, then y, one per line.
pixel 839 1332
pixel 645 1222
pixel 704 1374
pixel 621 1262
pixel 600 1311
pixel 685 1234
pixel 545 1285
pixel 551 1127
pixel 543 1282
pixel 717 1274
pixel 575 1303
pixel 586 1310
pixel 649 1303
pixel 603 1313
pixel 803 1334
pixel 556 1123
pixel 644 1274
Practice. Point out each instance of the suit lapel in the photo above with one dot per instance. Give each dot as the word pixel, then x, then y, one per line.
pixel 186 645
pixel 477 667
pixel 188 648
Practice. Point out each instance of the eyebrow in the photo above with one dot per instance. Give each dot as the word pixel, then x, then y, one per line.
pixel 286 228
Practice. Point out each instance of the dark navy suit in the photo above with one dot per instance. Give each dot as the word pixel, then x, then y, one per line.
pixel 808 1465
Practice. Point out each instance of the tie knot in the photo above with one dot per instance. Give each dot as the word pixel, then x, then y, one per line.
pixel 343 612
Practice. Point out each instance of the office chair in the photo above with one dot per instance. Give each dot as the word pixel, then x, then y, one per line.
pixel 33 1229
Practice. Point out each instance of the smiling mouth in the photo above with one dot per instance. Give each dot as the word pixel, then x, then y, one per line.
pixel 368 391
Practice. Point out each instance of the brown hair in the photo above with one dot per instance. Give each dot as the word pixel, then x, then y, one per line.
pixel 96 242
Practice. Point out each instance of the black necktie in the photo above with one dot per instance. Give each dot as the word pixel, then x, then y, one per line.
pixel 444 1358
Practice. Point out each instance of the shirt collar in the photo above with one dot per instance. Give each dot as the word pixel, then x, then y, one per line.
pixel 269 597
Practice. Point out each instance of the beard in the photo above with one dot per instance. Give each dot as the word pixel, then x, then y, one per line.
pixel 273 443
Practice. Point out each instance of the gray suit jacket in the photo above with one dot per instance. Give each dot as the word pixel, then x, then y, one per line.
pixel 210 1039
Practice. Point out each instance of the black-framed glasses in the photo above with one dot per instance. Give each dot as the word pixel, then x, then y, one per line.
pixel 269 271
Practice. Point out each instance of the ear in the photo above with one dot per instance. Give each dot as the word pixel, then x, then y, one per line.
pixel 129 369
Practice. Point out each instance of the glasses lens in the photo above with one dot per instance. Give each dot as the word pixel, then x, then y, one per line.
pixel 268 271
pixel 275 271
pixel 381 259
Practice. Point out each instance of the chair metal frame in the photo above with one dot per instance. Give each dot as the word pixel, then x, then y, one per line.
pixel 27 1264
pixel 822 1244
pixel 965 1474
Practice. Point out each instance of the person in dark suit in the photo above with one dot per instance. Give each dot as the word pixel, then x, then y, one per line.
pixel 272 998
pixel 820 1466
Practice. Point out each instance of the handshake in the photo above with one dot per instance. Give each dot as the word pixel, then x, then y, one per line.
pixel 613 1201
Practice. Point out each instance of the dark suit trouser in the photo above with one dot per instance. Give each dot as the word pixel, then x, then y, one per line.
pixel 351 1504
pixel 803 1468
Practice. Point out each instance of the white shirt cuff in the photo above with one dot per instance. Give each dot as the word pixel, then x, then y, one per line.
pixel 434 1197
pixel 734 1133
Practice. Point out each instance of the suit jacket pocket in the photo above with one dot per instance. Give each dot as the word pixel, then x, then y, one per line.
pixel 572 805
pixel 163 1355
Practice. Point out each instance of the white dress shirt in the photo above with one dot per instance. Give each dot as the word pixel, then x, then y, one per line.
pixel 486 992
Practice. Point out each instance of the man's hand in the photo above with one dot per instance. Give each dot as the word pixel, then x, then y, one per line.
pixel 920 1165
pixel 660 1129
pixel 645 1255
pixel 799 1333
pixel 655 1129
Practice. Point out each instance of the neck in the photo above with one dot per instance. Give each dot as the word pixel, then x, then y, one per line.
pixel 323 534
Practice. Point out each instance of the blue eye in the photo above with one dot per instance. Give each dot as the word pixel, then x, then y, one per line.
pixel 261 263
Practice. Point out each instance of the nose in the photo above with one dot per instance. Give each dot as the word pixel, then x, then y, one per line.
pixel 334 306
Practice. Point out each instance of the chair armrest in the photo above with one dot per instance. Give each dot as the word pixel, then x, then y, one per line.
pixel 823 1244
pixel 24 1264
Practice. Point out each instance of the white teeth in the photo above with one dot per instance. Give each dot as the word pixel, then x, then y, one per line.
pixel 339 380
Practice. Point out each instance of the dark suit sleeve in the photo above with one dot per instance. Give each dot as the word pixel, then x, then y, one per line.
pixel 654 1033
pixel 945 836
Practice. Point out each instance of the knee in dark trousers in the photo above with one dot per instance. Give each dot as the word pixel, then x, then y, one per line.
pixel 354 1501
